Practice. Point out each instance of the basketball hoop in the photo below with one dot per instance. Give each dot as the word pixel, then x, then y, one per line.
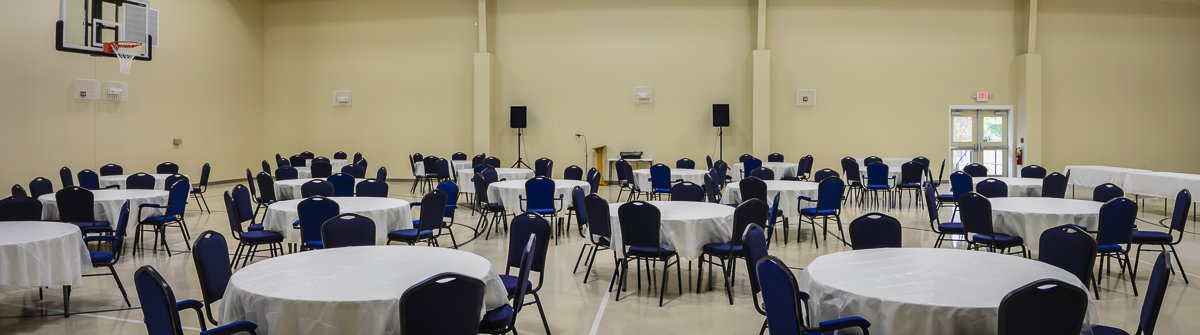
pixel 124 50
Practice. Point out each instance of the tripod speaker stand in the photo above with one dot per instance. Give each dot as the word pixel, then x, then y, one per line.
pixel 517 120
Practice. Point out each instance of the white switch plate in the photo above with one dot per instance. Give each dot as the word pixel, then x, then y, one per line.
pixel 643 94
pixel 806 97
pixel 342 99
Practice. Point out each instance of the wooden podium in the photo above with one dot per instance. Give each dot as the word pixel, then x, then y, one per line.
pixel 598 152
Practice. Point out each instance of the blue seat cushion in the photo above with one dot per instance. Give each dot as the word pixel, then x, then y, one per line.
pixel 160 219
pixel 951 227
pixel 909 185
pixel 409 235
pixel 878 187
pixel 814 211
pixel 723 249
pixel 510 284
pixel 418 224
pixel 543 211
pixel 237 327
pixel 662 190
pixel 255 227
pixel 945 197
pixel 1109 248
pixel 1106 330
pixel 262 236
pixel 1151 237
pixel 314 244
pixel 91 224
pixel 101 258
pixel 496 319
pixel 999 240
pixel 650 252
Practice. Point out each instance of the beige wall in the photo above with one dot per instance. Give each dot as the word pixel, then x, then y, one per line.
pixel 408 64
pixel 196 89
pixel 1120 83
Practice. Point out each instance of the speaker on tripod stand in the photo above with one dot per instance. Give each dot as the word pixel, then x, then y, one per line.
pixel 517 120
pixel 720 121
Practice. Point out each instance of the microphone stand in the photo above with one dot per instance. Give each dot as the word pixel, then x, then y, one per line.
pixel 585 152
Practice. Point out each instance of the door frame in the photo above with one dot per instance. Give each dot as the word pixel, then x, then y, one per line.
pixel 1011 159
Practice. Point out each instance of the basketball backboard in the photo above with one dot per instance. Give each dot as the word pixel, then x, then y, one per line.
pixel 85 25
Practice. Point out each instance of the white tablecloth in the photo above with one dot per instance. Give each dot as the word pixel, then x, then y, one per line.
pixel 1029 217
pixel 923 291
pixel 354 290
pixel 160 180
pixel 508 193
pixel 454 166
pixel 1094 175
pixel 781 169
pixel 1020 187
pixel 108 204
pixel 466 186
pixel 686 226
pixel 290 189
pixel 642 177
pixel 39 253
pixel 789 194
pixel 389 214
pixel 337 164
pixel 1160 184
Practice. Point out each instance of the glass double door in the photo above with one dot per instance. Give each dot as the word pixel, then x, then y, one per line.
pixel 980 136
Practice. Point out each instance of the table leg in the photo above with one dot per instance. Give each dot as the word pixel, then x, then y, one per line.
pixel 66 301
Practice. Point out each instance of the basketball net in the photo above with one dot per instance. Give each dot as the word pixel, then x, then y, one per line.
pixel 125 52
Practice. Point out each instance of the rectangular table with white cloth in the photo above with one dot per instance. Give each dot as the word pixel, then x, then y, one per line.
pixel 1093 175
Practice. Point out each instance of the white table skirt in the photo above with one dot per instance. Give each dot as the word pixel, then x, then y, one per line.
pixel 160 180
pixel 290 189
pixel 39 253
pixel 789 194
pixel 642 177
pixel 923 291
pixel 1029 217
pixel 353 290
pixel 466 186
pixel 389 214
pixel 303 172
pixel 509 193
pixel 1093 175
pixel 1160 184
pixel 781 169
pixel 108 204
pixel 419 167
pixel 1021 187
pixel 686 226
pixel 337 164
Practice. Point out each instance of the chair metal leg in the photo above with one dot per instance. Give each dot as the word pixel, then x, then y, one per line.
pixel 119 285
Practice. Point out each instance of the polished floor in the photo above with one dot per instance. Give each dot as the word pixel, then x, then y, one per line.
pixel 573 307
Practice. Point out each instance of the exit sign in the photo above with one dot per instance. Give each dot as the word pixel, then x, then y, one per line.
pixel 982 96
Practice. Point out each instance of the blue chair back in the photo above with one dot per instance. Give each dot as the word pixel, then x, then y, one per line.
pixel 875 230
pixel 763 173
pixel 492 160
pixel 543 167
pixel 41 186
pixel 210 253
pixel 960 184
pixel 1117 217
pixel 381 173
pixel 356 170
pixel 177 199
pixel 687 191
pixel 525 227
pixel 872 160
pixel 1033 171
pixel 1103 192
pixel 167 168
pixel 481 186
pixel 19 191
pixel 308 155
pixel 976 214
pixel 578 200
pixel 433 209
pixel 459 156
pixel 598 216
pixel 754 242
pixel 317 187
pixel 89 179
pixel 478 159
pixel 660 177
pixel 749 165
pixel 922 160
pixel 1155 291
pixel 266 187
pixel 159 312
pixel 806 165
pixel 976 170
pixel 640 222
pixel 749 212
pixel 20 208
pixel 490 175
pixel 297 160
pixel 992 188
pixel 781 296
pixel 482 167
pixel 359 160
pixel 753 188
pixel 851 170
pixel 250 181
pixel 1046 306
pixel 539 193
pixel 1183 200
pixel 205 172
pixel 447 303
pixel 286 173
pixel 823 174
pixel 710 186
pixel 119 230
pixel 321 169
pixel 111 169
pixel 877 174
pixel 232 213
pixel 744 157
pixel 313 212
pixel 573 172
pixel 75 204
pixel 829 192
pixel 593 180
pixel 64 176
pixel 686 163
pixel 340 155
pixel 347 230
pixel 1069 248
pixel 343 184
pixel 451 190
pixel 722 170
pixel 775 157
pixel 175 178
pixel 371 188
pixel 529 256
pixel 443 169
pixel 1054 186
pixel 708 160
pixel 242 199
pixel 911 173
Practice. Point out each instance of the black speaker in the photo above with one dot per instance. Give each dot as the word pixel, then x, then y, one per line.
pixel 517 117
pixel 720 115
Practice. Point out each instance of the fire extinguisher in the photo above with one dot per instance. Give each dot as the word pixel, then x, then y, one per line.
pixel 1020 151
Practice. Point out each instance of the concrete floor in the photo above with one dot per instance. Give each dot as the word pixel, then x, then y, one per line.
pixel 573 307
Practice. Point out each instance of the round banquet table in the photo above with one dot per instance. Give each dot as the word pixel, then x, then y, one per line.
pixel 642 177
pixel 353 290
pixel 686 226
pixel 389 214
pixel 290 189
pixel 781 169
pixel 464 177
pixel 160 180
pixel 789 194
pixel 509 193
pixel 1022 187
pixel 419 167
pixel 108 204
pixel 337 164
pixel 40 253
pixel 1029 217
pixel 923 291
